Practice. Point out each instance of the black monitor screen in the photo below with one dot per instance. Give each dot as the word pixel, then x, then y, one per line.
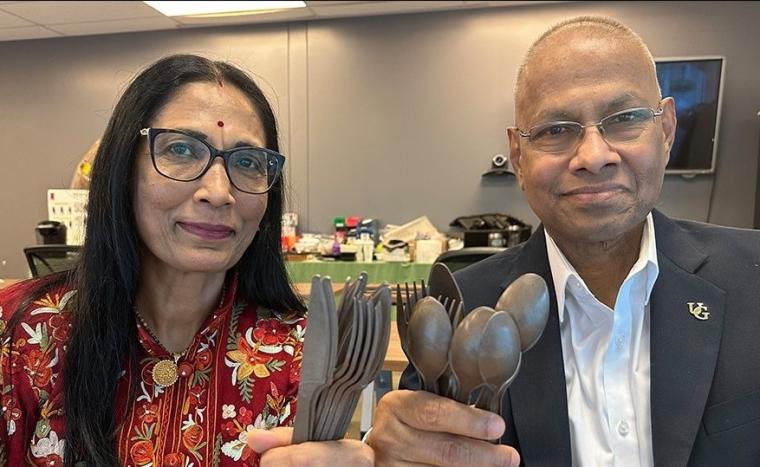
pixel 695 84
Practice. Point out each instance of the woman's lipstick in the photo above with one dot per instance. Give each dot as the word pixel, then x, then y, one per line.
pixel 207 231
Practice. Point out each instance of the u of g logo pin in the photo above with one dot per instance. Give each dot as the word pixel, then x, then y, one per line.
pixel 698 310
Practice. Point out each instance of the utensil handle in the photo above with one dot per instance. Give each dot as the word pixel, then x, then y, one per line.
pixel 484 398
pixel 495 403
pixel 429 386
pixel 447 384
pixel 304 421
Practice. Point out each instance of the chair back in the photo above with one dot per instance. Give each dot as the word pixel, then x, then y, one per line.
pixel 458 259
pixel 47 259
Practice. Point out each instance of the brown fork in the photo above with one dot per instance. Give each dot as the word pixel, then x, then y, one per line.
pixel 401 320
pixel 447 383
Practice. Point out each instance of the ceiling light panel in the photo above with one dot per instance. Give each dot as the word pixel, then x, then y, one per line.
pixel 208 8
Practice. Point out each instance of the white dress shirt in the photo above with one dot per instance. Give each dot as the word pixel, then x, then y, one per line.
pixel 606 356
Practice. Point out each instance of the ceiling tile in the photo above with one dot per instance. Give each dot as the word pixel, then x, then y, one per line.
pixel 73 18
pixel 79 12
pixel 380 8
pixel 522 2
pixel 8 20
pixel 325 2
pixel 33 32
pixel 121 25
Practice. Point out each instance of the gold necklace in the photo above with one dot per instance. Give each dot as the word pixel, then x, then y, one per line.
pixel 166 371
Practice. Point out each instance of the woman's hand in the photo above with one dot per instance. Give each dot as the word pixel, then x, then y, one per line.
pixel 276 450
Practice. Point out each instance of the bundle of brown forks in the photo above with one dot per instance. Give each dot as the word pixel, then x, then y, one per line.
pixel 343 351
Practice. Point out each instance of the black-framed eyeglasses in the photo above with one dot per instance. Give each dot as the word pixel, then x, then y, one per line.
pixel 561 137
pixel 181 156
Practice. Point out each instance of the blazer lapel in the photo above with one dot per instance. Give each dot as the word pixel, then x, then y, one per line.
pixel 684 347
pixel 538 396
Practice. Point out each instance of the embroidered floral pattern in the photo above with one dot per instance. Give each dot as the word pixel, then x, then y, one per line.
pixel 240 372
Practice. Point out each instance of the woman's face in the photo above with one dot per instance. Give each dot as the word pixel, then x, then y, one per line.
pixel 207 224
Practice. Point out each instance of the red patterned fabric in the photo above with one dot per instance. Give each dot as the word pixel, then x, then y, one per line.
pixel 241 371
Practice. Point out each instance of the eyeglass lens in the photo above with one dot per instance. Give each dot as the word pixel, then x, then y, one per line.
pixel 616 128
pixel 184 158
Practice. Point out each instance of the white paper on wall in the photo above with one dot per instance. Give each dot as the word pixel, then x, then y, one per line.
pixel 69 207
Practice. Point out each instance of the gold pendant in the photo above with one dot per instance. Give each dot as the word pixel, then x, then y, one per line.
pixel 165 373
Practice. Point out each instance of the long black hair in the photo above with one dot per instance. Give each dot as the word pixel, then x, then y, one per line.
pixel 103 336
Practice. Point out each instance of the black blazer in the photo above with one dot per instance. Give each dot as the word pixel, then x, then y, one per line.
pixel 705 374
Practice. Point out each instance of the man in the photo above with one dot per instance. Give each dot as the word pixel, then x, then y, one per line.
pixel 651 354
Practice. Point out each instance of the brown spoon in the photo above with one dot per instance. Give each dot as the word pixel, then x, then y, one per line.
pixel 527 300
pixel 428 339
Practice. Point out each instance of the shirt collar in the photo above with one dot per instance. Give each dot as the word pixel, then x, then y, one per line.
pixel 562 270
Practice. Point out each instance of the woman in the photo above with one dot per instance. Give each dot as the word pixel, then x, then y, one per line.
pixel 178 333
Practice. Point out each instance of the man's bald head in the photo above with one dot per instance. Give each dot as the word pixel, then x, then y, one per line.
pixel 588 38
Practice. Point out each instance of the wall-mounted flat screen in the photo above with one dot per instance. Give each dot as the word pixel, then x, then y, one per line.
pixel 696 84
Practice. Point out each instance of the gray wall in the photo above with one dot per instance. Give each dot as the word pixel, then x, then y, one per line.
pixel 392 117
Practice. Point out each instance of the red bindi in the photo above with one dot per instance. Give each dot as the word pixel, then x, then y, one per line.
pixel 220 123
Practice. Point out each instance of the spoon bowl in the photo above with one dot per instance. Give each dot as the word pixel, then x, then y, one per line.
pixel 429 336
pixel 499 349
pixel 465 351
pixel 527 300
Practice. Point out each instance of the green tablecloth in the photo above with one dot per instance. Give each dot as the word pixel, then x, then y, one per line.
pixel 377 272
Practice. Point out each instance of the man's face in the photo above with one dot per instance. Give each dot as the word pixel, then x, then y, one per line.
pixel 596 192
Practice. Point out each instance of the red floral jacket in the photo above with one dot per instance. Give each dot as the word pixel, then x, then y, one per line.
pixel 240 372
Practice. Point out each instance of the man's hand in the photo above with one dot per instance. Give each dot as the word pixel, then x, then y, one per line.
pixel 413 428
pixel 277 450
